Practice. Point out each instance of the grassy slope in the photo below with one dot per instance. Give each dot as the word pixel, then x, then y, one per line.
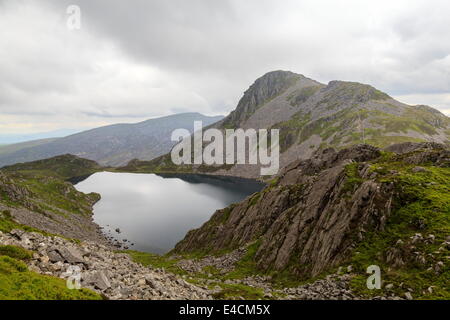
pixel 64 167
pixel 51 194
pixel 46 190
pixel 45 184
pixel 422 207
pixel 339 129
pixel 18 283
pixel 7 224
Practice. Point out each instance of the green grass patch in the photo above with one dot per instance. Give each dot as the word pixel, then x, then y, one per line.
pixel 255 199
pixel 246 266
pixel 353 178
pixel 155 261
pixel 64 167
pixel 237 291
pixel 17 283
pixel 16 252
pixel 423 206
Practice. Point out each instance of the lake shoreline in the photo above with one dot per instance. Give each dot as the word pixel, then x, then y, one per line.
pixel 152 212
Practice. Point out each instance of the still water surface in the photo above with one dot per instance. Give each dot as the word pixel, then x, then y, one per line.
pixel 156 211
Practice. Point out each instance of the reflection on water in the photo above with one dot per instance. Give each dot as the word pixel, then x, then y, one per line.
pixel 156 211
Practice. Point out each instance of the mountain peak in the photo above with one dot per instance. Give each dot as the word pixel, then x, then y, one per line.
pixel 275 80
pixel 279 73
pixel 278 78
pixel 261 91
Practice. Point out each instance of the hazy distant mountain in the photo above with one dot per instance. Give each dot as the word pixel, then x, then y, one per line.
pixel 112 145
pixel 19 138
pixel 11 148
pixel 312 116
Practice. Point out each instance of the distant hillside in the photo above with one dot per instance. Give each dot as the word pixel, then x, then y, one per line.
pixel 112 145
pixel 8 139
pixel 312 116
pixel 11 148
pixel 64 167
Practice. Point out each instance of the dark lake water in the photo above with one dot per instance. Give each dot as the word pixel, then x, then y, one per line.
pixel 156 211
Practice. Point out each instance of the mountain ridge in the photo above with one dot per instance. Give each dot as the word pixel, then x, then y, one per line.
pixel 113 145
pixel 313 116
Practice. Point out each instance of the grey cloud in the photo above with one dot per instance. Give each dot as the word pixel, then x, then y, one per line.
pixel 228 40
pixel 145 58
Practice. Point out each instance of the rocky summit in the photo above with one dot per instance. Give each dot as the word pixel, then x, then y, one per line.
pixel 313 116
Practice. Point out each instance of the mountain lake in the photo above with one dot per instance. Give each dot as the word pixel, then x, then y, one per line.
pixel 154 212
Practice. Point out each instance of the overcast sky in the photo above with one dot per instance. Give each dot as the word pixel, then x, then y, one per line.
pixel 133 60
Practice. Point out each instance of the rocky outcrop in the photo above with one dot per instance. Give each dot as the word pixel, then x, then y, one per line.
pixel 408 147
pixel 12 191
pixel 312 216
pixel 223 263
pixel 418 153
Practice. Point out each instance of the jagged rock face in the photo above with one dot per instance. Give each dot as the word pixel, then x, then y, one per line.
pixel 313 216
pixel 264 89
pixel 322 235
pixel 409 147
pixel 426 152
pixel 11 190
